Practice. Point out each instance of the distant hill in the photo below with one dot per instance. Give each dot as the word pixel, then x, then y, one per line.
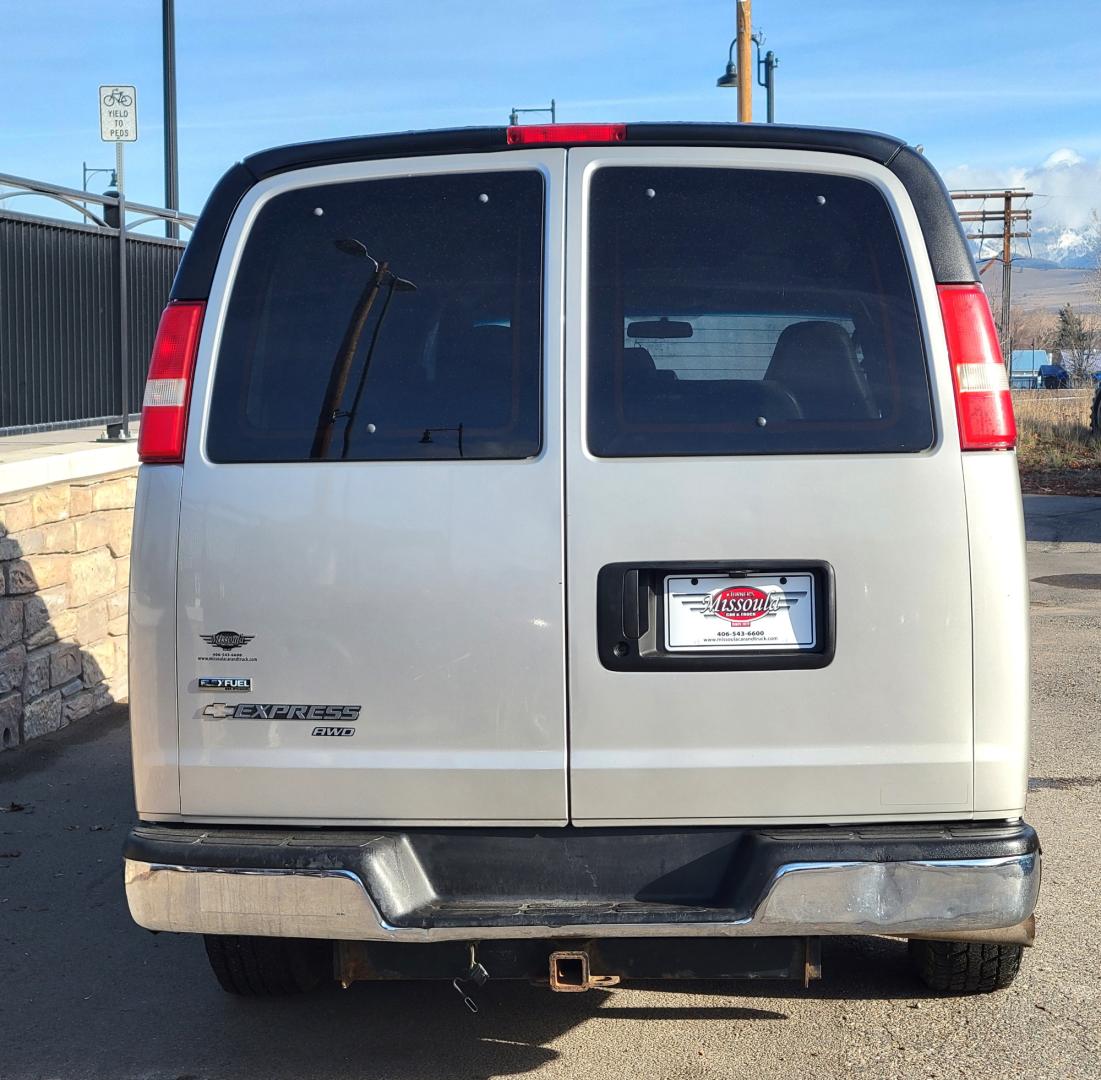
pixel 1043 287
pixel 1035 263
pixel 1087 262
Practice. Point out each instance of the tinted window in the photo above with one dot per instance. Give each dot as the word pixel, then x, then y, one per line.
pixel 386 319
pixel 738 311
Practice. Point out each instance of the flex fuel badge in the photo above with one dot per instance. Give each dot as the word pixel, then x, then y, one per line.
pixel 227 686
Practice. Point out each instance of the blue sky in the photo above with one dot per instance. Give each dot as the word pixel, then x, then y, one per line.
pixel 990 101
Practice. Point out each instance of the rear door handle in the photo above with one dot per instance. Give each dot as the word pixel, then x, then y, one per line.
pixel 635 606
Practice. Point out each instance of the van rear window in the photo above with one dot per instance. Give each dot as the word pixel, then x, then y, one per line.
pixel 738 311
pixel 390 319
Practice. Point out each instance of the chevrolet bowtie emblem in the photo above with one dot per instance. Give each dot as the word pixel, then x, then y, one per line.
pixel 219 710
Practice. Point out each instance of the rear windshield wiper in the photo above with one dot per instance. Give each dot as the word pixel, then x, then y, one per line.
pixel 426 438
pixel 342 362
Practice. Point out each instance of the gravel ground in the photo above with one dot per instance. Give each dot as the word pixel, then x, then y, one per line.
pixel 85 993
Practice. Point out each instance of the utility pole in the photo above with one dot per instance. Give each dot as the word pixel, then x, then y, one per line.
pixel 745 81
pixel 737 75
pixel 171 150
pixel 1007 281
pixel 1007 215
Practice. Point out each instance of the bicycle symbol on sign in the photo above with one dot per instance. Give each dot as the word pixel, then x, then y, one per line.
pixel 118 97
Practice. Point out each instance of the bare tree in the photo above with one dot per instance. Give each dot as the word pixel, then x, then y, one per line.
pixel 1077 338
pixel 1095 243
pixel 1031 328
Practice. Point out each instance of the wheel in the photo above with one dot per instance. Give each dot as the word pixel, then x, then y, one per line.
pixel 965 967
pixel 266 966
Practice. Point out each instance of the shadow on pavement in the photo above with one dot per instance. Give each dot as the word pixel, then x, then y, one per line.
pixel 89 994
pixel 1062 519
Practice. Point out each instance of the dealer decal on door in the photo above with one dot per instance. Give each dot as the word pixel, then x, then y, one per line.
pixel 226 643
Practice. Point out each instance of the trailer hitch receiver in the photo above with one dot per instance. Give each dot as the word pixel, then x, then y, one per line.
pixel 570 973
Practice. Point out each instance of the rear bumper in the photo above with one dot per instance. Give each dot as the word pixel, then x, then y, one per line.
pixel 464 885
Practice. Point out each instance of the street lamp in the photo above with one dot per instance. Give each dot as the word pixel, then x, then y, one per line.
pixel 171 151
pixel 92 172
pixel 766 73
pixel 89 173
pixel 514 115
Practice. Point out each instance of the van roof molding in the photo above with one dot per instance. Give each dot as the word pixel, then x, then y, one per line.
pixel 949 252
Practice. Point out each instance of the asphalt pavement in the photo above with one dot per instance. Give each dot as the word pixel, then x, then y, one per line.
pixel 86 994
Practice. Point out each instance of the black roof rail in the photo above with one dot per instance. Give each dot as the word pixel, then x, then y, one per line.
pixel 865 144
pixel 949 252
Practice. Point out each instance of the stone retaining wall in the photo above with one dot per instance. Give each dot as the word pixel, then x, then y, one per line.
pixel 64 572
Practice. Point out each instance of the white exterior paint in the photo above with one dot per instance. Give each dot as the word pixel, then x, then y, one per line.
pixel 427 593
pixel 885 731
pixel 331 566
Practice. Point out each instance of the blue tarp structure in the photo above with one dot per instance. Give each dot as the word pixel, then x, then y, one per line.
pixel 1055 376
pixel 1028 361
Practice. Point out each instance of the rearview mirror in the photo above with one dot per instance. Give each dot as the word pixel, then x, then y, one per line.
pixel 660 328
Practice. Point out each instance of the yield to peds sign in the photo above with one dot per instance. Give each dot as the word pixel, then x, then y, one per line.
pixel 118 113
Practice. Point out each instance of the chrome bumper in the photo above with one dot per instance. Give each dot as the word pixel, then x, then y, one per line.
pixel 919 898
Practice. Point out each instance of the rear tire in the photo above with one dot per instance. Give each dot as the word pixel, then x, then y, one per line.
pixel 267 966
pixel 965 967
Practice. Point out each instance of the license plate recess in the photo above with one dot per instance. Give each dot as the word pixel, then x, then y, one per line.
pixel 718 616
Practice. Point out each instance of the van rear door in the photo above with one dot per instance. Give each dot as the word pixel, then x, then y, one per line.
pixel 768 584
pixel 370 588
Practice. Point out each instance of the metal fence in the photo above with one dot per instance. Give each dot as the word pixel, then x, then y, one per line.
pixel 79 306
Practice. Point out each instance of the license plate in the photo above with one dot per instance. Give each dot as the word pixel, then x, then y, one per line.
pixel 738 614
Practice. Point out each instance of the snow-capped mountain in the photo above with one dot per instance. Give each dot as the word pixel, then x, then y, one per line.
pixel 1066 208
pixel 1057 245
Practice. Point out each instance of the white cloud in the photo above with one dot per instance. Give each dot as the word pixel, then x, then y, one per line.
pixel 1067 199
pixel 1070 242
pixel 1065 157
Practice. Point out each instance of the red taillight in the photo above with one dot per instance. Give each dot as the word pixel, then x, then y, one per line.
pixel 983 404
pixel 168 388
pixel 560 134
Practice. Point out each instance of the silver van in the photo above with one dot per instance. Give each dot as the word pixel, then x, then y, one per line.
pixel 580 552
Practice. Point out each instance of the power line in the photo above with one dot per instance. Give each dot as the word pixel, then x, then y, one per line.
pixel 1015 224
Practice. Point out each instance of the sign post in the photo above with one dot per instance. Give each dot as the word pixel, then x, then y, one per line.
pixel 118 120
pixel 118 123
